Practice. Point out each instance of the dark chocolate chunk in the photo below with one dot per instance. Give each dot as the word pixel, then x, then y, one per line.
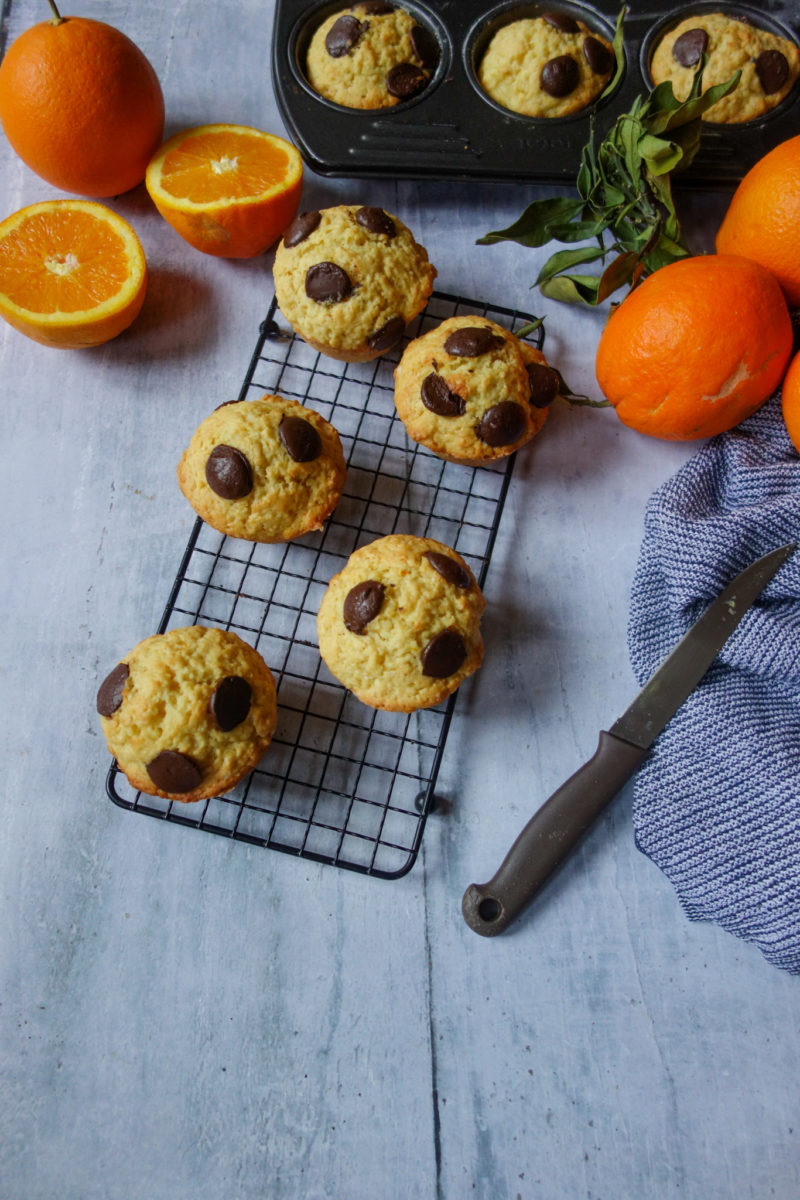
pixel 174 772
pixel 544 384
pixel 438 399
pixel 343 35
pixel 362 604
pixel 502 424
pixel 560 76
pixel 109 695
pixel 388 335
pixel 690 47
pixel 327 284
pixel 303 225
pixel 376 7
pixel 562 21
pixel 443 654
pixel 425 47
pixel 375 220
pixel 230 702
pixel 449 569
pixel 405 80
pixel 300 439
pixel 228 473
pixel 772 69
pixel 473 340
pixel 598 56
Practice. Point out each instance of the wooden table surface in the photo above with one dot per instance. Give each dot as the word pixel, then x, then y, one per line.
pixel 188 1017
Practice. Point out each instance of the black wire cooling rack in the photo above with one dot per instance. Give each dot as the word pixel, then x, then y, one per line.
pixel 341 783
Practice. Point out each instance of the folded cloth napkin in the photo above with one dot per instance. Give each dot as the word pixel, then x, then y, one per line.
pixel 717 803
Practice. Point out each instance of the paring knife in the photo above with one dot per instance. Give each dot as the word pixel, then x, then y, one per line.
pixel 489 908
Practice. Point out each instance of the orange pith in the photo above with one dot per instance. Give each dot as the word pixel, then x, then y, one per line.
pixel 763 218
pixel 696 348
pixel 72 273
pixel 228 190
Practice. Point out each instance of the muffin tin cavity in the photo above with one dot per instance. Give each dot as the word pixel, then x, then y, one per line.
pixel 452 129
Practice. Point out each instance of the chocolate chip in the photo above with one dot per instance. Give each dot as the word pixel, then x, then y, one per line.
pixel 230 702
pixel 598 56
pixel 327 284
pixel 473 340
pixel 690 47
pixel 174 772
pixel 362 605
pixel 375 220
pixel 443 654
pixel 449 569
pixel 300 439
pixel 501 424
pixel 388 335
pixel 438 399
pixel 425 46
pixel 109 695
pixel 544 384
pixel 405 80
pixel 343 35
pixel 228 473
pixel 772 70
pixel 301 227
pixel 561 21
pixel 560 76
pixel 375 7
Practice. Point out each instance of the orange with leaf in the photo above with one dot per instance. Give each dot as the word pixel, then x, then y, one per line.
pixel 81 105
pixel 696 348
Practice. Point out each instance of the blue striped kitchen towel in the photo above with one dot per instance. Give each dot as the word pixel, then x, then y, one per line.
pixel 717 803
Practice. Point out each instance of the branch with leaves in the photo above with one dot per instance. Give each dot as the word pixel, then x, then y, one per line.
pixel 624 187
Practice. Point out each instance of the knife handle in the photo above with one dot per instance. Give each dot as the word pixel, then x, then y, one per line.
pixel 544 843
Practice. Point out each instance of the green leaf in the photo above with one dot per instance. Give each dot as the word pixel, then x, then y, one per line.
pixel 563 260
pixel 572 289
pixel 533 227
pixel 617 46
pixel 616 274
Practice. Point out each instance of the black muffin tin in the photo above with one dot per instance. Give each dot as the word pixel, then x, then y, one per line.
pixel 453 130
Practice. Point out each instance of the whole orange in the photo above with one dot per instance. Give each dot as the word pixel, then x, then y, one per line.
pixel 81 105
pixel 763 218
pixel 695 348
pixel 790 401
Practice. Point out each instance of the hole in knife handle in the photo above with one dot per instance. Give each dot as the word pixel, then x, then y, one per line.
pixel 489 909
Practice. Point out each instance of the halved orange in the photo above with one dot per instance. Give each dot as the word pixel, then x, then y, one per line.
pixel 228 190
pixel 72 273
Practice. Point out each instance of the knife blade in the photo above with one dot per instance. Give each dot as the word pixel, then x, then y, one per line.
pixel 489 908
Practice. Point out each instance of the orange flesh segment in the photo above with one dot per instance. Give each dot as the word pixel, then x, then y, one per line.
pixel 219 166
pixel 90 266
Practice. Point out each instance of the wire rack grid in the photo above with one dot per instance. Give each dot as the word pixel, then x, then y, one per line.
pixel 341 783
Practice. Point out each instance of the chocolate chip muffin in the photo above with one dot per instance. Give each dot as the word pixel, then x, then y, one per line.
pixel 471 391
pixel 188 713
pixel 371 55
pixel 400 624
pixel 546 66
pixel 769 64
pixel 265 470
pixel 349 279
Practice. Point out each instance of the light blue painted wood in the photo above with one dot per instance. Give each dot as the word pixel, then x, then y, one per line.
pixel 192 1019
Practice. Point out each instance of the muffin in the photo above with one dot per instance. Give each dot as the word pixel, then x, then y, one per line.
pixel 399 626
pixel 188 713
pixel 471 391
pixel 371 55
pixel 264 470
pixel 769 64
pixel 547 66
pixel 349 279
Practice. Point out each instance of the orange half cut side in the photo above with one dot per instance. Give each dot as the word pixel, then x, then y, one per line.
pixel 228 190
pixel 72 273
